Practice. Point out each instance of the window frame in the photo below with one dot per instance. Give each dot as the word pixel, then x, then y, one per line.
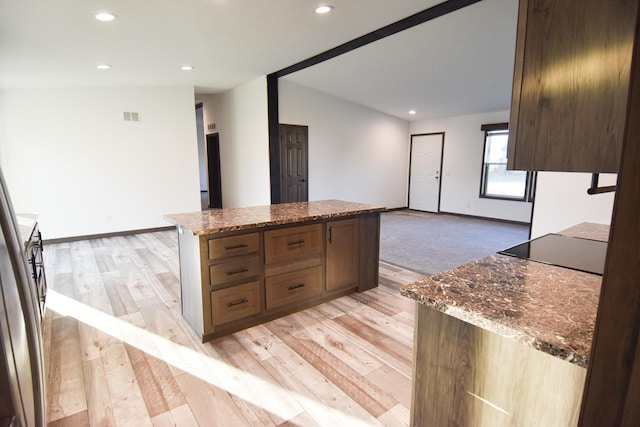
pixel 530 177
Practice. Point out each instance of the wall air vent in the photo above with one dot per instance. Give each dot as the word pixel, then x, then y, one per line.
pixel 211 126
pixel 131 116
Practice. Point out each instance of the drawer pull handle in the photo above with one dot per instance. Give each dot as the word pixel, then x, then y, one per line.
pixel 298 286
pixel 238 302
pixel 299 242
pixel 242 270
pixel 228 248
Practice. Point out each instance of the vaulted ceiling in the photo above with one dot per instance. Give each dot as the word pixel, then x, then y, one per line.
pixel 457 64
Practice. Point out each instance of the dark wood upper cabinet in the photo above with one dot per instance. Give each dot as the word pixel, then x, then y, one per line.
pixel 571 79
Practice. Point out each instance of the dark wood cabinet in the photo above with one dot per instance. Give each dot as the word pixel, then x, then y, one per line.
pixel 233 280
pixel 571 79
pixel 342 255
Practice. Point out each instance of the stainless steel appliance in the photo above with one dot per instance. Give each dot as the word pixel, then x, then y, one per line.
pixel 22 384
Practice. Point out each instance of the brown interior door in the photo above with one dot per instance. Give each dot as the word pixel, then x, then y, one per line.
pixel 294 163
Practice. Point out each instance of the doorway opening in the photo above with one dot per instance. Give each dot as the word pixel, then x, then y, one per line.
pixel 214 181
pixel 425 171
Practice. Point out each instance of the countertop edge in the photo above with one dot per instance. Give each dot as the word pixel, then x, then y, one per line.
pixel 478 320
pixel 362 209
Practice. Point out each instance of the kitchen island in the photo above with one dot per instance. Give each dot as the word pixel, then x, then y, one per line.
pixel 504 341
pixel 244 266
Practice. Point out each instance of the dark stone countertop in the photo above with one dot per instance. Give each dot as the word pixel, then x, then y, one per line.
pixel 552 309
pixel 237 219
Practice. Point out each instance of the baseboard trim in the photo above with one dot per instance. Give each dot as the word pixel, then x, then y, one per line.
pixel 106 235
pixel 486 218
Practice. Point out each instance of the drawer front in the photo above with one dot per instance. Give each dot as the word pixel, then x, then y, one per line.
pixel 234 270
pixel 235 302
pixel 241 244
pixel 293 287
pixel 293 242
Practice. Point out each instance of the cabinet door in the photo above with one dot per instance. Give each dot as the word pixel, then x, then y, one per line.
pixel 570 85
pixel 342 262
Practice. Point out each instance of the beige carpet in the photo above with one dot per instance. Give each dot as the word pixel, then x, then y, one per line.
pixel 432 243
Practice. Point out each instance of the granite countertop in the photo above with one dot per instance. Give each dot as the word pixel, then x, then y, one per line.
pixel 552 309
pixel 236 219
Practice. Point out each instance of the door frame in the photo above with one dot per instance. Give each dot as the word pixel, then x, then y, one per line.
pixel 441 162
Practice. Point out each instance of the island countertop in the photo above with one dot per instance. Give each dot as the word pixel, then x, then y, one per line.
pixel 237 219
pixel 552 309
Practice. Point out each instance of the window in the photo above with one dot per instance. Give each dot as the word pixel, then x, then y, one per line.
pixel 497 182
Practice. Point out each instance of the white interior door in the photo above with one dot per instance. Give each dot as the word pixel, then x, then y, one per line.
pixel 424 176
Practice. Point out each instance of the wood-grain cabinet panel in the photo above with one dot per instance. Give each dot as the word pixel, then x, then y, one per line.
pixel 242 269
pixel 467 376
pixel 290 243
pixel 343 254
pixel 571 77
pixel 235 303
pixel 233 246
pixel 294 287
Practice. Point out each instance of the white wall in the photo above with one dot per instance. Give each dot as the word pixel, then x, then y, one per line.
pixel 562 201
pixel 355 153
pixel 240 116
pixel 69 155
pixel 462 164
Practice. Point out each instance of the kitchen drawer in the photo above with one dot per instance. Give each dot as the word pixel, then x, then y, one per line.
pixel 235 302
pixel 238 245
pixel 234 270
pixel 294 287
pixel 290 243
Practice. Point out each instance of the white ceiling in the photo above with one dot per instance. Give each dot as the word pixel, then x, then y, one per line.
pixel 457 64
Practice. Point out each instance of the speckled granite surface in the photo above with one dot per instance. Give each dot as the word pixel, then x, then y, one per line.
pixel 225 220
pixel 552 309
pixel 588 230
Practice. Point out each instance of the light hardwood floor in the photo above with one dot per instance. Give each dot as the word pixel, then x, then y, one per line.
pixel 117 351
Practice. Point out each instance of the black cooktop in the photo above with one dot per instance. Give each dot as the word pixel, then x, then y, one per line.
pixel 571 252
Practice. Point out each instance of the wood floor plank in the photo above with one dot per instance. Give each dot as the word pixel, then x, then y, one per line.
pixel 282 406
pixel 390 345
pixel 75 420
pixel 334 364
pixel 66 376
pixel 368 395
pixel 373 319
pixel 397 416
pixel 366 344
pixel 120 298
pixel 339 346
pixel 128 405
pixel 210 405
pixel 257 340
pixel 149 388
pixel 99 408
pixel 394 383
pixel 324 402
pixel 177 417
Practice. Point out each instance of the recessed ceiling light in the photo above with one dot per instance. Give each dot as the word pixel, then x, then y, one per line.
pixel 103 66
pixel 412 112
pixel 324 8
pixel 186 67
pixel 105 16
